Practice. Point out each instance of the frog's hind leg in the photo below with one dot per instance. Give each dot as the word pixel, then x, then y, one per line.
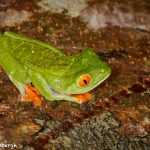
pixel 16 71
pixel 18 74
pixel 20 86
pixel 28 93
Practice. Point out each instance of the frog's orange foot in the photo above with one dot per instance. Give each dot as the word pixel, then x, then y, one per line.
pixel 32 95
pixel 82 98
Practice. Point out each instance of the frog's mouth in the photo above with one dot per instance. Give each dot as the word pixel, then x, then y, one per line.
pixel 79 98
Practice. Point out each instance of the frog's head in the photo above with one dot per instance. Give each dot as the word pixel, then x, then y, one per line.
pixel 86 72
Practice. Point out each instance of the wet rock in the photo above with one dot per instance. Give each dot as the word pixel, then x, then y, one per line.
pixel 138 87
pixel 3 108
pixel 27 128
pixel 98 132
pixel 72 8
pixel 12 17
pixel 6 3
pixel 104 14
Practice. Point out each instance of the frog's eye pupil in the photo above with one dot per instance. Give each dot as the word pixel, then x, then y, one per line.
pixel 84 80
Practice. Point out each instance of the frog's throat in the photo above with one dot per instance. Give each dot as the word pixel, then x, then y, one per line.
pixel 58 93
pixel 79 98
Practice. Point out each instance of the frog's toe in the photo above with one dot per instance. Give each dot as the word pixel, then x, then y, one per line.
pixel 82 98
pixel 37 101
pixel 26 98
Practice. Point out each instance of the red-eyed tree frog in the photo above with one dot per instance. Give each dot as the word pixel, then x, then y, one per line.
pixel 53 74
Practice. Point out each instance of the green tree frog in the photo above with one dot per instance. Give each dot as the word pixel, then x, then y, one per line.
pixel 37 68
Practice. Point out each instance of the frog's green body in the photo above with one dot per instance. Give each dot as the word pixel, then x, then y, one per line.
pixel 52 72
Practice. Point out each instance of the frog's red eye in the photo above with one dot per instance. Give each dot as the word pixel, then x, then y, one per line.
pixel 84 80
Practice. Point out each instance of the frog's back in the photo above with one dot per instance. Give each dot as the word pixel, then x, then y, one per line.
pixel 33 53
pixel 18 42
